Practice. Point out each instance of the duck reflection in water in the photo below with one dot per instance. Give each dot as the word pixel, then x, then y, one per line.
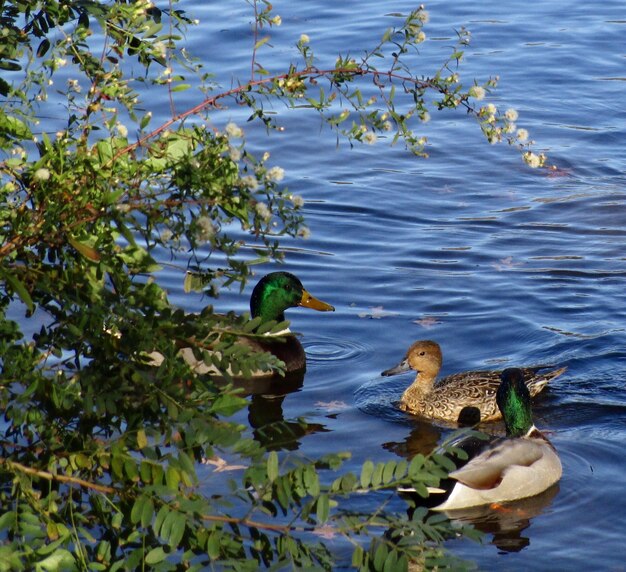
pixel 425 437
pixel 505 522
pixel 265 414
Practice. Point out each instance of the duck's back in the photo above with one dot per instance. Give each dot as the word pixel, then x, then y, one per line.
pixel 513 469
pixel 451 396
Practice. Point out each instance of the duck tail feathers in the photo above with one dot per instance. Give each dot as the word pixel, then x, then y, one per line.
pixel 537 381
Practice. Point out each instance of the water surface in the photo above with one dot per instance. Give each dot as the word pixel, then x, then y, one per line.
pixel 500 264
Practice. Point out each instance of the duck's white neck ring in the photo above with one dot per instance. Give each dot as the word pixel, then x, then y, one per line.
pixel 281 333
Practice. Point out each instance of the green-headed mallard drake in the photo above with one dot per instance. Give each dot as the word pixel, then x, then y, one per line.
pixel 502 469
pixel 273 294
pixel 450 398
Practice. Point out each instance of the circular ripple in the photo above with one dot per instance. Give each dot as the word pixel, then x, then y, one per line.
pixel 379 397
pixel 333 350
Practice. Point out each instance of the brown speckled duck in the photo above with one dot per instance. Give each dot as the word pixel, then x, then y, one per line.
pixel 451 398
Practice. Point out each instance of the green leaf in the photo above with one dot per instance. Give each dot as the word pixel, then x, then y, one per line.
pixel 5 87
pixel 18 287
pixel 358 557
pixel 213 545
pixel 86 250
pixel 177 530
pixel 156 555
pixel 61 559
pixel 10 65
pixel 172 478
pixel 44 46
pixel 377 476
pixel 444 461
pixel 272 466
pixel 322 508
pixel 14 127
pixel 147 513
pixel 145 120
pixel 7 520
pixel 380 556
pixel 181 87
pixel 366 473
pixel 416 465
pixel 261 42
pixel 388 471
pixel 135 513
pixel 104 149
pixel 142 440
pixel 160 519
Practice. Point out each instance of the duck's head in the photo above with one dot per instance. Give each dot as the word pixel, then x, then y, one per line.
pixel 278 291
pixel 423 356
pixel 513 399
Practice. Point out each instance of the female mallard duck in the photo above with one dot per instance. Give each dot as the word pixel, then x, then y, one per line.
pixel 273 294
pixel 454 396
pixel 520 465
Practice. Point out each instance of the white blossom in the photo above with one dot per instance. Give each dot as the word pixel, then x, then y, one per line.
pixel 369 137
pixel 304 232
pixel 234 154
pixel 276 174
pixel 250 182
pixel 263 211
pixel 477 92
pixel 233 130
pixel 121 129
pixel 205 230
pixel 41 174
pixel 532 160
pixel 511 114
pixel 423 16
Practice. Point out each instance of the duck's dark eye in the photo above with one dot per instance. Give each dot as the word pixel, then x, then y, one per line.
pixel 422 353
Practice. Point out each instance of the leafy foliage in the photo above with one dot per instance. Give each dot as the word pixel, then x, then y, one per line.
pixel 100 463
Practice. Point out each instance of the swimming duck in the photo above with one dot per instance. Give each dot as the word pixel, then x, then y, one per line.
pixel 522 464
pixel 459 394
pixel 273 294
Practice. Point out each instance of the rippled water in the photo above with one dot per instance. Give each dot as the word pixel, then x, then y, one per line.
pixel 500 264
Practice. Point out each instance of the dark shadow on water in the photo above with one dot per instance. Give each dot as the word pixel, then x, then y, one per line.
pixel 423 438
pixel 265 413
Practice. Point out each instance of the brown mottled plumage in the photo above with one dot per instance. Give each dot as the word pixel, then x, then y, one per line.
pixel 455 396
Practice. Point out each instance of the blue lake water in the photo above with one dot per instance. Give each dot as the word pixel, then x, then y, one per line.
pixel 501 264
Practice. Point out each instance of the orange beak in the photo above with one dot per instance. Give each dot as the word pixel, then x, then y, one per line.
pixel 312 302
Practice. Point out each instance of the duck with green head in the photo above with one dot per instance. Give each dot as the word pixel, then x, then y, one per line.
pixel 272 296
pixel 522 464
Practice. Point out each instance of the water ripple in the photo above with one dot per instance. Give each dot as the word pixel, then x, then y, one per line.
pixel 327 349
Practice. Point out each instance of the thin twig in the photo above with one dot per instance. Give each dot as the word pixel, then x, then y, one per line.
pixel 60 478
